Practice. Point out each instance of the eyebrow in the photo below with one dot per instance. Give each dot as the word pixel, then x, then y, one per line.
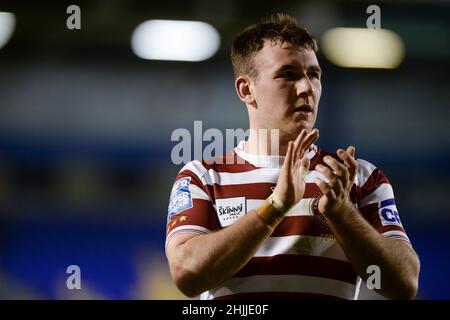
pixel 315 68
pixel 288 67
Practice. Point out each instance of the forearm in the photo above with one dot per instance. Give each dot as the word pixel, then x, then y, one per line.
pixel 208 260
pixel 364 246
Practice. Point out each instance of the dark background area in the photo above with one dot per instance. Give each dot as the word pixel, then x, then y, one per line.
pixel 85 126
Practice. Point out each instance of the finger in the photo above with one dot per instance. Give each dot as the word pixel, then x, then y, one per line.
pixel 313 137
pixel 349 160
pixel 354 168
pixel 288 160
pixel 334 181
pixel 304 167
pixel 297 144
pixel 339 168
pixel 348 156
pixel 309 140
pixel 286 168
pixel 325 188
pixel 351 151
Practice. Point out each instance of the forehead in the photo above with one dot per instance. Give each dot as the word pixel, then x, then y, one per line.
pixel 274 55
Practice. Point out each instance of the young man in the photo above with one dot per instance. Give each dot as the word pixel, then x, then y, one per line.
pixel 304 225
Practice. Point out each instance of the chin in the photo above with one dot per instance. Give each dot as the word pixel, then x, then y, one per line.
pixel 302 125
pixel 293 132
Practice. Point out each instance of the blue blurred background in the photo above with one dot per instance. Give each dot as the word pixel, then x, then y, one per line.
pixel 85 127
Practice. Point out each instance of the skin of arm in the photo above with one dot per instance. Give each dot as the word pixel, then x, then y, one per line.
pixel 201 262
pixel 362 244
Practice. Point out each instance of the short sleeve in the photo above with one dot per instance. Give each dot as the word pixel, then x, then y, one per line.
pixel 376 201
pixel 190 207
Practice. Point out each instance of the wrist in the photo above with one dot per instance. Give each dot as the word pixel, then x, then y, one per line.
pixel 340 213
pixel 272 211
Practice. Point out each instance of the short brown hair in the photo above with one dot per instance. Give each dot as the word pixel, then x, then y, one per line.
pixel 278 28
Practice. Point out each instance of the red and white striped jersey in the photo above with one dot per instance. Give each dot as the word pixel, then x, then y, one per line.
pixel 301 259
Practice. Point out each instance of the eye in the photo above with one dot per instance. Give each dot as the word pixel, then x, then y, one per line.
pixel 289 75
pixel 314 74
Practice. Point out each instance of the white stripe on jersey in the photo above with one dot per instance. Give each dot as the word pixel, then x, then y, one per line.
pixel 197 168
pixel 198 193
pixel 365 169
pixel 263 175
pixel 383 191
pixel 209 177
pixel 283 283
pixel 266 175
pixel 302 208
pixel 303 245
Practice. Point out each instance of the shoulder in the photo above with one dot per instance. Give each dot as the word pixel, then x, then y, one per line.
pixel 366 171
pixel 229 162
pixel 208 170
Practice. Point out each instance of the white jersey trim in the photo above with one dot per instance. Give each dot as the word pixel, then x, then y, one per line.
pixel 186 229
pixel 399 235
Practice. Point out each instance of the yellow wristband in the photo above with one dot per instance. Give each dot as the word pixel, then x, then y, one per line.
pixel 272 210
pixel 276 202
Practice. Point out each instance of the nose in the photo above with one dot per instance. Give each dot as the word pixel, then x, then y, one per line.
pixel 304 87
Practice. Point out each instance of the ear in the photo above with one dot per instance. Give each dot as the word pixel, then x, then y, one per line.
pixel 243 86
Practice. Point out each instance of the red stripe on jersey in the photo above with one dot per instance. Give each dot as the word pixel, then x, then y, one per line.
pixel 233 164
pixel 374 180
pixel 383 229
pixel 250 190
pixel 312 191
pixel 194 178
pixel 318 158
pixel 301 225
pixel 277 296
pixel 259 191
pixel 299 265
pixel 370 213
pixel 201 214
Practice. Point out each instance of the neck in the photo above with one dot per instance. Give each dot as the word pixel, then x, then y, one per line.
pixel 266 142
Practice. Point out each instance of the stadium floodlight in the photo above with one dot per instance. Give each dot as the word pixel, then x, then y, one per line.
pixel 7 25
pixel 175 40
pixel 363 48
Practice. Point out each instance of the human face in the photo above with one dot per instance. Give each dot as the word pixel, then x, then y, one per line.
pixel 287 88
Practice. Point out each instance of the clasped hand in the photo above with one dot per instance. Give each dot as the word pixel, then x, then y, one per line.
pixel 336 192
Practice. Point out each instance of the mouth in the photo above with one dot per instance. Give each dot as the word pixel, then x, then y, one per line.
pixel 306 109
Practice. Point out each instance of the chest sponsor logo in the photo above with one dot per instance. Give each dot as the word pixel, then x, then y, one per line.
pixel 230 209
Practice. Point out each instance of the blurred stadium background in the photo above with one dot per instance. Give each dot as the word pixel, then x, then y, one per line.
pixel 85 126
